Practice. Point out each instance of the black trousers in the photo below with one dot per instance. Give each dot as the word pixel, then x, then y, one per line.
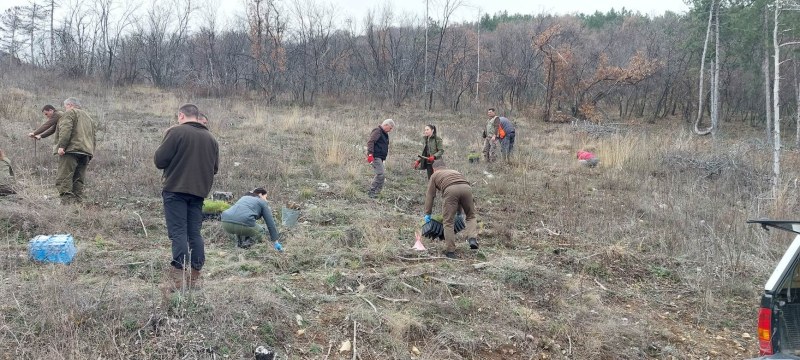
pixel 184 216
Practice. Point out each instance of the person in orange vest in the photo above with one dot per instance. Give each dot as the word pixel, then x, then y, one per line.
pixel 507 133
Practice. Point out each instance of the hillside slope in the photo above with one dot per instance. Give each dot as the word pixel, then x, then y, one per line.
pixel 646 256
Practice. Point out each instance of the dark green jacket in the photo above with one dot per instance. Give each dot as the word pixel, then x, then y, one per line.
pixel 6 172
pixel 434 147
pixel 75 132
pixel 189 156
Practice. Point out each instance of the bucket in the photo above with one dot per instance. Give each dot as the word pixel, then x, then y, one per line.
pixel 289 216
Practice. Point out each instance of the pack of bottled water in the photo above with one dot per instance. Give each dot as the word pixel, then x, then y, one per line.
pixel 59 248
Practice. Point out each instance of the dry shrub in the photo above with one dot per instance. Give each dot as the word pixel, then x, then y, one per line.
pixel 623 151
pixel 140 99
pixel 18 105
pixel 331 149
pixel 405 327
pixel 588 111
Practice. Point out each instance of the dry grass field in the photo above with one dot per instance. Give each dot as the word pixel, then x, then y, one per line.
pixel 646 256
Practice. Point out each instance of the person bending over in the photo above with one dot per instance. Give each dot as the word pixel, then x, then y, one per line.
pixel 240 220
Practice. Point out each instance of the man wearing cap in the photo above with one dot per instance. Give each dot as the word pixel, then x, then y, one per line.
pixel 456 193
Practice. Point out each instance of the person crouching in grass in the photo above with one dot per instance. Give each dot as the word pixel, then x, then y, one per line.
pixel 240 220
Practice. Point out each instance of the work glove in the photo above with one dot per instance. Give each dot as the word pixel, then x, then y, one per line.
pixel 370 158
pixel 431 158
pixel 416 164
pixel 278 246
pixel 427 218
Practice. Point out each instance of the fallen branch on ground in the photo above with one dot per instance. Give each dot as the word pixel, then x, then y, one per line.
pixel 412 288
pixel 132 264
pixel 600 285
pixel 369 302
pixel 354 339
pixel 397 207
pixel 551 232
pixel 479 266
pixel 448 282
pixel 391 299
pixel 427 258
pixel 141 222
pixel 288 291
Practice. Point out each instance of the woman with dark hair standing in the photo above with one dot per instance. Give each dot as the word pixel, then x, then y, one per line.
pixel 432 150
pixel 240 220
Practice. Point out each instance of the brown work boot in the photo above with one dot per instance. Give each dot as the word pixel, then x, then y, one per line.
pixel 195 279
pixel 173 281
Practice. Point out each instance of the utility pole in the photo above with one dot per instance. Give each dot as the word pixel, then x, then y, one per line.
pixel 478 75
pixel 426 47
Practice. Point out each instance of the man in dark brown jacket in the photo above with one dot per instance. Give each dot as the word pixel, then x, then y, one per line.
pixel 456 194
pixel 189 157
pixel 49 127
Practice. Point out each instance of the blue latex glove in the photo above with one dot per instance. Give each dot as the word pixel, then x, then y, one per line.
pixel 278 246
pixel 427 218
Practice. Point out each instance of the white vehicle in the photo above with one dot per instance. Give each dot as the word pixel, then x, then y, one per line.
pixel 779 315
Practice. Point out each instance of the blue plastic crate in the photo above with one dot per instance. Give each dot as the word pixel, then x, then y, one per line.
pixel 58 248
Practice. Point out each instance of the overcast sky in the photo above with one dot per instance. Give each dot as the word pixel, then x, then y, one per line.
pixel 357 8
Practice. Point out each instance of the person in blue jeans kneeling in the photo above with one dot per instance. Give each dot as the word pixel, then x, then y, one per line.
pixel 240 220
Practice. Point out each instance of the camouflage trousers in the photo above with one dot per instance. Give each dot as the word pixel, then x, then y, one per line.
pixel 490 149
pixel 71 177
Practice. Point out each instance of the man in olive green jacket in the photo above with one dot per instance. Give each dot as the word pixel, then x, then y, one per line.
pixel 6 175
pixel 75 141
